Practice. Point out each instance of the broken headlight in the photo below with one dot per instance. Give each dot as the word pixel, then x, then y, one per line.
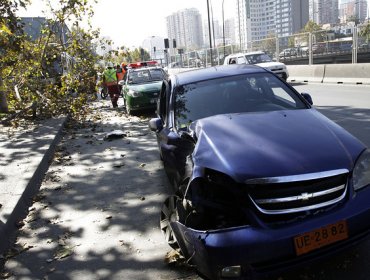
pixel 216 201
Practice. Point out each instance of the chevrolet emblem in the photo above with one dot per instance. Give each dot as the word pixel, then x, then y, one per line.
pixel 305 196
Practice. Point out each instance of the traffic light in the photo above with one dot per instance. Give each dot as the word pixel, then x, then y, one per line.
pixel 166 43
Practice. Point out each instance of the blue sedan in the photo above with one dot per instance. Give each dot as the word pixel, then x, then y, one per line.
pixel 261 180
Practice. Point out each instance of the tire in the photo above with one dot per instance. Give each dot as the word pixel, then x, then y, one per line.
pixel 284 77
pixel 103 93
pixel 169 214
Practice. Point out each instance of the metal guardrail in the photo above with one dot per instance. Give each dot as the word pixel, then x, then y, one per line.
pixel 310 48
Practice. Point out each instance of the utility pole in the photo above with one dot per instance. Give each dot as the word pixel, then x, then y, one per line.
pixel 240 36
pixel 223 25
pixel 209 32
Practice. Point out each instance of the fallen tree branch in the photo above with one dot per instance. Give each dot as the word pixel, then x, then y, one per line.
pixel 32 107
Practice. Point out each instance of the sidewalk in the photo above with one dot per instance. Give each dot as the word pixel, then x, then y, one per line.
pixel 25 155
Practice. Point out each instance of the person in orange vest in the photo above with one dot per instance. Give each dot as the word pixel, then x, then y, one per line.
pixel 120 73
pixel 124 68
pixel 120 76
pixel 110 80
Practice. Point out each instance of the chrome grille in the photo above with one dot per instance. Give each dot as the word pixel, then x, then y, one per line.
pixel 291 194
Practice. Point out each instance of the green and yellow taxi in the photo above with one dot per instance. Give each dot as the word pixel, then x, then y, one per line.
pixel 141 86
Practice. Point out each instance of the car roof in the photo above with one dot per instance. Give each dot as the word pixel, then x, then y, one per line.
pixel 144 68
pixel 246 53
pixel 215 72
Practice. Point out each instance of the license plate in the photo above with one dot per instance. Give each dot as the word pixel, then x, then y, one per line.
pixel 321 237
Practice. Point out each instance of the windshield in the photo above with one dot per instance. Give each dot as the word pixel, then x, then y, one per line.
pixel 257 58
pixel 237 94
pixel 145 76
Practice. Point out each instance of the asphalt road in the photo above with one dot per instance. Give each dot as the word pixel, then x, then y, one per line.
pixel 347 105
pixel 97 213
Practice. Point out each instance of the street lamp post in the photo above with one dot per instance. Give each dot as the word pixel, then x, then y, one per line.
pixel 209 32
pixel 223 25
pixel 240 37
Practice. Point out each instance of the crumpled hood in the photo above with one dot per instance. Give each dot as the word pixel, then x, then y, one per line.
pixel 271 65
pixel 270 144
pixel 149 87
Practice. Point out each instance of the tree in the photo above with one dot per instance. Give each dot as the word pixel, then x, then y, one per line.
pixel 139 55
pixel 269 44
pixel 353 18
pixel 53 68
pixel 10 41
pixel 316 30
pixel 365 32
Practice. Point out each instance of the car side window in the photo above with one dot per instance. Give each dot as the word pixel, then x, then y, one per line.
pixel 241 60
pixel 232 60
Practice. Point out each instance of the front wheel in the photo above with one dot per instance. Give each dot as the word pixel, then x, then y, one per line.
pixel 169 214
pixel 284 77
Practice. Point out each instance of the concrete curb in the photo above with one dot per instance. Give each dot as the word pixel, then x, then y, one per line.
pixel 53 129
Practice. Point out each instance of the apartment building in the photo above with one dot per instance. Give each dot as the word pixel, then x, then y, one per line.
pixel 259 19
pixel 324 11
pixel 185 26
pixel 353 10
pixel 291 16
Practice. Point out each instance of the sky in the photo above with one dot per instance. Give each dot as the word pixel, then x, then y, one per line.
pixel 129 22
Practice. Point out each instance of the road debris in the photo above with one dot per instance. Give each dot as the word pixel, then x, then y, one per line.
pixel 115 134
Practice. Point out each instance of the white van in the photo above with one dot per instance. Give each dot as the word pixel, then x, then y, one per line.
pixel 261 59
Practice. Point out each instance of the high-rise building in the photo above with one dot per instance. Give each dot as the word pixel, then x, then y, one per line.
pixel 291 16
pixel 259 19
pixel 216 33
pixel 353 10
pixel 324 11
pixel 230 31
pixel 185 26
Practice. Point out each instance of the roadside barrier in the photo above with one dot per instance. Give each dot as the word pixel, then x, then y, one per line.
pixel 306 73
pixel 347 73
pixel 331 73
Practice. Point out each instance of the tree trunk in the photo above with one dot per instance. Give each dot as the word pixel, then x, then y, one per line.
pixel 3 103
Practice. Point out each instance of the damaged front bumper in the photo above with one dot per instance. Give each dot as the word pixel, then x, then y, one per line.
pixel 240 252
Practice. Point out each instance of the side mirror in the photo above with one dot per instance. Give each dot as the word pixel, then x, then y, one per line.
pixel 155 124
pixel 121 83
pixel 307 97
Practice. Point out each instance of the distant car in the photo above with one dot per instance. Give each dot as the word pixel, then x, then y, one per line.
pixel 303 51
pixel 141 86
pixel 288 52
pixel 262 181
pixel 318 48
pixel 261 59
pixel 364 47
pixel 172 65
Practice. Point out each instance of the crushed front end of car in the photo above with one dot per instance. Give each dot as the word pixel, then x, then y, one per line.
pixel 231 230
pixel 234 222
